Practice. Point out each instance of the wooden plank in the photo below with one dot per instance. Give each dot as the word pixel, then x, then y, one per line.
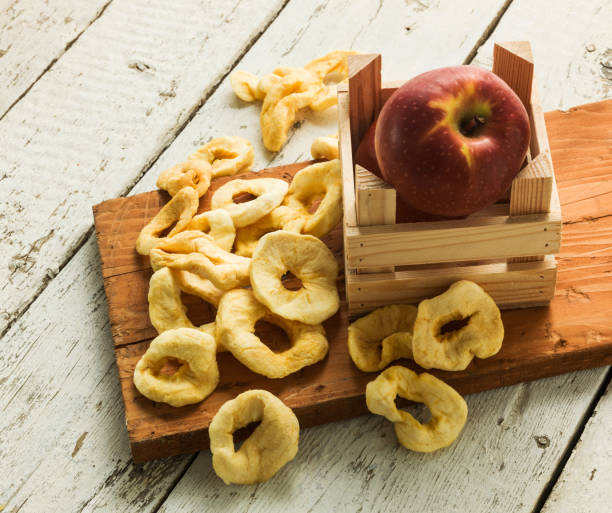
pixel 33 35
pixel 477 238
pixel 364 94
pixel 510 285
pixel 538 342
pixel 584 484
pixel 73 150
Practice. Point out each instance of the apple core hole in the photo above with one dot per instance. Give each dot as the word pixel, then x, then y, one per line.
pixel 170 366
pixel 240 435
pixel 419 411
pixel 243 197
pixel 470 126
pixel 452 326
pixel 272 336
pixel 166 231
pixel 291 282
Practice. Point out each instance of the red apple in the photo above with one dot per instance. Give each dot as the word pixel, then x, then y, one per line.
pixel 365 155
pixel 451 140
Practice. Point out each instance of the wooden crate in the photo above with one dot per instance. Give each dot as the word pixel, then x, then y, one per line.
pixel 508 248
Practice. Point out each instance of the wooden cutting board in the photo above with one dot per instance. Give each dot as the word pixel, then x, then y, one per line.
pixel 574 333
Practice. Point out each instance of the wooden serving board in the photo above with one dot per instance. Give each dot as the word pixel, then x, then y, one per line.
pixel 574 333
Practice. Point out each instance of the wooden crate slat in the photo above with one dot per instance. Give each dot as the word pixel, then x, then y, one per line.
pixel 513 63
pixel 376 201
pixel 510 285
pixel 364 86
pixel 346 158
pixel 453 241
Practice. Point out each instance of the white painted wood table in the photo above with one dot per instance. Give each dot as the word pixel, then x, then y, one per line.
pixel 98 97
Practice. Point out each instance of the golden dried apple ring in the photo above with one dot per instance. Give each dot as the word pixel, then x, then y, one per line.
pixel 325 147
pixel 284 98
pixel 333 62
pixel 180 209
pixel 481 336
pixel 273 443
pixel 321 180
pixel 281 218
pixel 382 336
pixel 226 155
pixel 311 261
pixel 166 309
pixel 269 191
pixel 198 253
pixel 197 376
pixel 237 316
pixel 448 409
pixel 217 224
pixel 191 173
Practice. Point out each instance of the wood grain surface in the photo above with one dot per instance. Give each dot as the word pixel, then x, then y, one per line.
pixel 539 342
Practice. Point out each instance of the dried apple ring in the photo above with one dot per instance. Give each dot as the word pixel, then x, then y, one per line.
pixel 448 409
pixel 197 376
pixel 166 309
pixel 382 336
pixel 311 261
pixel 481 336
pixel 245 85
pixel 273 443
pixel 281 218
pixel 269 191
pixel 180 210
pixel 191 173
pixel 227 155
pixel 237 316
pixel 322 180
pixel 217 224
pixel 198 253
pixel 325 147
pixel 283 98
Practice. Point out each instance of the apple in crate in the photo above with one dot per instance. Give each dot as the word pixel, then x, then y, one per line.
pixel 451 140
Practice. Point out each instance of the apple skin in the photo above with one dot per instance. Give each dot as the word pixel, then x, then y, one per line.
pixel 451 140
pixel 365 155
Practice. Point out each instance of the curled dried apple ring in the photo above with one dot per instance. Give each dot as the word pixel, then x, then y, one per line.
pixel 197 253
pixel 237 315
pixel 382 336
pixel 226 155
pixel 195 379
pixel 481 333
pixel 325 147
pixel 180 210
pixel 318 181
pixel 281 218
pixel 269 194
pixel 273 443
pixel 245 85
pixel 448 409
pixel 311 261
pixel 284 97
pixel 191 173
pixel 217 224
pixel 166 309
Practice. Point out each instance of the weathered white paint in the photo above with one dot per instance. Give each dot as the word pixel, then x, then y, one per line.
pixel 56 362
pixel 585 485
pixel 89 126
pixel 570 40
pixel 33 33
